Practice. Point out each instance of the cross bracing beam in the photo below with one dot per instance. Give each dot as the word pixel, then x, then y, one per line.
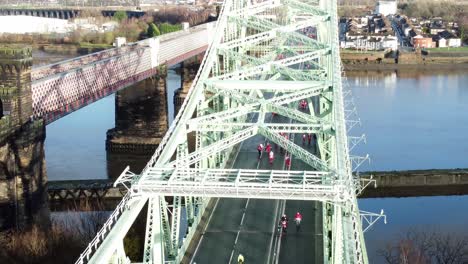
pixel 267 86
pixel 275 127
pixel 220 117
pixel 258 23
pixel 256 8
pixel 249 41
pixel 219 145
pixel 294 114
pixel 271 66
pixel 274 104
pixel 309 9
pixel 232 183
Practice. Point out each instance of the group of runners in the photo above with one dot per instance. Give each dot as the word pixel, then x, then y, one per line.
pixel 271 155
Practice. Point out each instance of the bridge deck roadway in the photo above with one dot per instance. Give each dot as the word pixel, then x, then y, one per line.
pixel 248 226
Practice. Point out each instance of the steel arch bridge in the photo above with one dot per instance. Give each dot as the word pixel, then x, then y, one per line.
pixel 262 60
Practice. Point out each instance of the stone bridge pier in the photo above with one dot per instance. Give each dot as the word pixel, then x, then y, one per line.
pixel 141 118
pixel 140 123
pixel 188 71
pixel 22 161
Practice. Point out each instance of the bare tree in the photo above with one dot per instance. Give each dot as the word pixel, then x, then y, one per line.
pixel 450 249
pixel 418 246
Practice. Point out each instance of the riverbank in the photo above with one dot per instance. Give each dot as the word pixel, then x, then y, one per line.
pixel 428 60
pixel 72 49
pixel 416 183
pixel 422 67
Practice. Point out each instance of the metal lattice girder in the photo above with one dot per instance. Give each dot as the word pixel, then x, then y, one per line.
pixel 256 8
pixel 293 114
pixel 258 42
pixel 175 226
pixel 309 9
pixel 275 127
pixel 165 224
pixel 218 146
pixel 261 184
pixel 223 116
pixel 267 86
pixel 190 209
pixel 370 218
pixel 286 98
pixel 153 250
pixel 299 128
pixel 125 177
pixel 270 67
pixel 354 141
pixel 258 23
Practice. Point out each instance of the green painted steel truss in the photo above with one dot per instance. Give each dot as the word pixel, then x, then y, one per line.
pixel 265 58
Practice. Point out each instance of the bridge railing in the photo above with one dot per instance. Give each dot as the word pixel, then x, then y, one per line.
pixel 69 64
pixel 86 255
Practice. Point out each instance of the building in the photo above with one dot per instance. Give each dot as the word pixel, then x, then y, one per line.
pixel 436 30
pixel 390 42
pixel 452 40
pixel 386 7
pixel 422 41
pixel 440 41
pixel 371 32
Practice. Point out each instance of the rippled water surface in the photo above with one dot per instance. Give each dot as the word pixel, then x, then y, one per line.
pixel 413 122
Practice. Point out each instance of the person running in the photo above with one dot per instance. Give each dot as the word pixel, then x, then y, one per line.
pixel 298 220
pixel 271 157
pixel 287 161
pixel 260 149
pixel 284 223
pixel 268 148
pixel 303 104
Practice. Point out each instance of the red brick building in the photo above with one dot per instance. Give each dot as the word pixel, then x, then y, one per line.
pixel 419 41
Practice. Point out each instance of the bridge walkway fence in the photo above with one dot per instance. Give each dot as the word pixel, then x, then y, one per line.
pixel 64 87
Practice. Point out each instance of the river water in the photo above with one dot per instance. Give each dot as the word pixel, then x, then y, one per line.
pixel 415 121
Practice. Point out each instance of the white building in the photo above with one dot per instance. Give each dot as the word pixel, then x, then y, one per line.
pixel 386 7
pixel 390 42
pixel 454 42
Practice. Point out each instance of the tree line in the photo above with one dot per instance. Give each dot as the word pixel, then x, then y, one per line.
pixel 152 24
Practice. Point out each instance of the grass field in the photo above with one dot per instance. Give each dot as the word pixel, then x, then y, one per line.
pixel 458 49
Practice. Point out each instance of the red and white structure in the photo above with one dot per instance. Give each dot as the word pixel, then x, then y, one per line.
pixel 67 86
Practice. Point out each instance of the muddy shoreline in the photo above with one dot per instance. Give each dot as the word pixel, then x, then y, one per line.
pixel 429 68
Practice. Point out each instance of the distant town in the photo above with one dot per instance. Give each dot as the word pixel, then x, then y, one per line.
pixel 384 28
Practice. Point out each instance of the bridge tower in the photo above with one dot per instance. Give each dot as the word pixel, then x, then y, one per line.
pixel 22 164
